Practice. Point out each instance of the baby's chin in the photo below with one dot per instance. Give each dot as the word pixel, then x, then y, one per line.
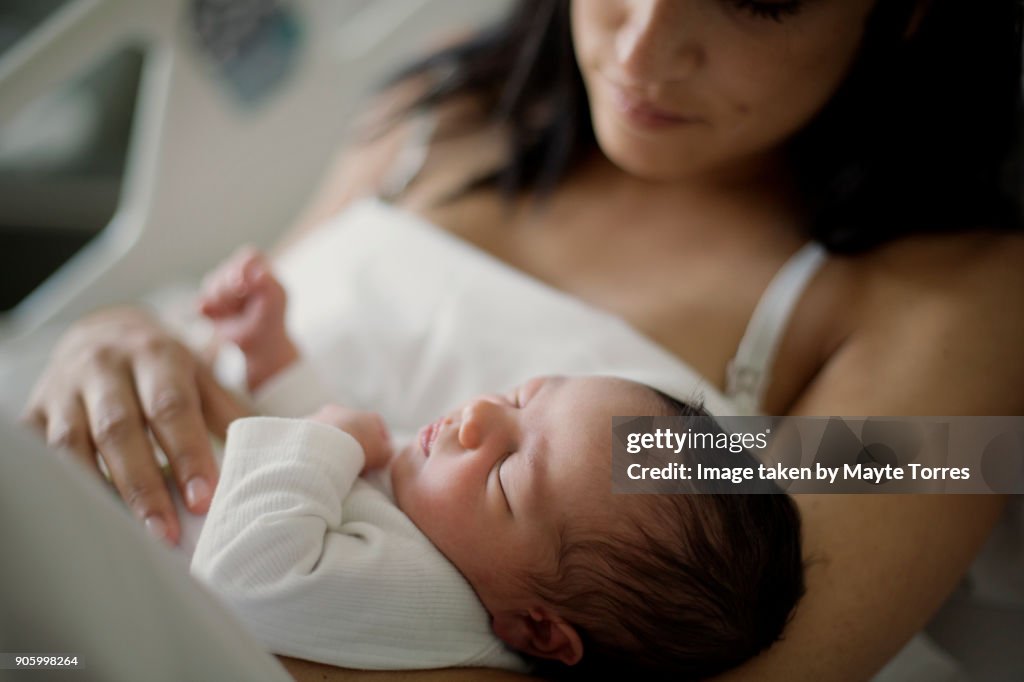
pixel 405 468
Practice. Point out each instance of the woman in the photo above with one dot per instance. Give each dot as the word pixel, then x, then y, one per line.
pixel 683 152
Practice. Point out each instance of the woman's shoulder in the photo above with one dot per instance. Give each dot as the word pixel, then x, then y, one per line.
pixel 384 128
pixel 974 251
pixel 932 325
pixel 961 271
pixel 359 167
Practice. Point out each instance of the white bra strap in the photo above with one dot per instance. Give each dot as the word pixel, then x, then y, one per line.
pixel 748 372
pixel 411 157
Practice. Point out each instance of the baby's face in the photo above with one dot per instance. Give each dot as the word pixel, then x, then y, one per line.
pixel 492 483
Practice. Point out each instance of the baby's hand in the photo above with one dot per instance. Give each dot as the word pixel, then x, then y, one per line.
pixel 366 427
pixel 246 304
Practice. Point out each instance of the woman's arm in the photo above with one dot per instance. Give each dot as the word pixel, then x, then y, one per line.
pixel 938 332
pixel 880 566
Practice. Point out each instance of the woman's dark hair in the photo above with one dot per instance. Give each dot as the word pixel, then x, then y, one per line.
pixel 923 136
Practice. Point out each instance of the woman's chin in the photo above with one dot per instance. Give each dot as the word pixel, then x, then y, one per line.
pixel 646 159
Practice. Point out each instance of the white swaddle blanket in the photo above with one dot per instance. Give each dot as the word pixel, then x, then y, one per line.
pixel 398 316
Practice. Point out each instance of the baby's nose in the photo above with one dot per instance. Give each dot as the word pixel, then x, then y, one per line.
pixel 469 435
pixel 480 417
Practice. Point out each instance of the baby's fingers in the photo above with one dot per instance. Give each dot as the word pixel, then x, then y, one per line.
pixel 226 289
pixel 250 266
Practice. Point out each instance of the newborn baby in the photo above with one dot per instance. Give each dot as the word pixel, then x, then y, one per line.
pixel 494 531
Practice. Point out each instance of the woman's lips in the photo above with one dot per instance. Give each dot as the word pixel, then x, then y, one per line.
pixel 644 114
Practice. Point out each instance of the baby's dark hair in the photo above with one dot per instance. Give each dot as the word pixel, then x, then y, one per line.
pixel 686 587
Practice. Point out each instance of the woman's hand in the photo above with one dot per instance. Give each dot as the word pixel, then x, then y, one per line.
pixel 366 427
pixel 115 378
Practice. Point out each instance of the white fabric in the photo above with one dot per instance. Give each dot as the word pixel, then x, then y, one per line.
pixel 296 392
pixel 397 316
pixel 322 565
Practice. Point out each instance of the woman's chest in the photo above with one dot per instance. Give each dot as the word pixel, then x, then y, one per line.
pixel 688 285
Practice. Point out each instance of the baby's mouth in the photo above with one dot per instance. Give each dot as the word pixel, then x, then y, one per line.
pixel 428 435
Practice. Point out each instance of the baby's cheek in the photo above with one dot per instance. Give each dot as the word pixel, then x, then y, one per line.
pixel 402 480
pixel 412 494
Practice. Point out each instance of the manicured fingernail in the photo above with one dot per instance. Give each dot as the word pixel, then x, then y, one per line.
pixel 156 526
pixel 197 492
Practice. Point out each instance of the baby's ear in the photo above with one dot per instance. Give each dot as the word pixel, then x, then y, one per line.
pixel 540 633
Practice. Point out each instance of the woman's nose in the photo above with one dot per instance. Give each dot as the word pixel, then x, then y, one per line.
pixel 483 419
pixel 657 43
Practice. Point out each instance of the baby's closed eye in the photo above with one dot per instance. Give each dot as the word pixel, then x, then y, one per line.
pixel 501 483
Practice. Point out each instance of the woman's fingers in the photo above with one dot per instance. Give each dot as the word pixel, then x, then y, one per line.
pixel 34 418
pixel 117 377
pixel 63 424
pixel 169 397
pixel 121 437
pixel 67 431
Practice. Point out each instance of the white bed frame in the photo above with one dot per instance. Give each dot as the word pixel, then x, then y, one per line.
pixel 204 172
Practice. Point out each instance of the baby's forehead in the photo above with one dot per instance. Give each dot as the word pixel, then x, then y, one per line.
pixel 579 417
pixel 604 392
